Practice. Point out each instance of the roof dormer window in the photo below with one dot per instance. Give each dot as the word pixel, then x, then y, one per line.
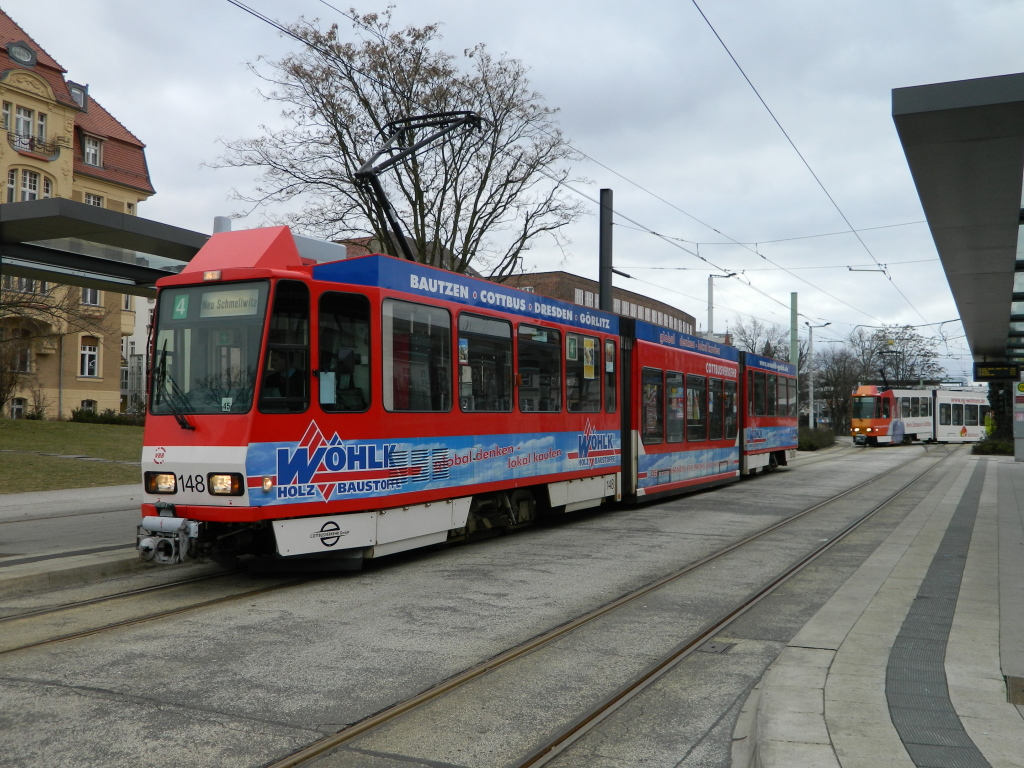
pixel 92 151
pixel 22 54
pixel 79 94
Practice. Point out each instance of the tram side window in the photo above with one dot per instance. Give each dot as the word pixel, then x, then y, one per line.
pixel 791 387
pixel 285 385
pixel 945 414
pixel 771 396
pixel 958 414
pixel 417 342
pixel 716 420
pixel 540 369
pixel 731 422
pixel 915 406
pixel 971 415
pixel 905 407
pixel 485 364
pixel 926 406
pixel 696 408
pixel 651 407
pixel 783 385
pixel 344 344
pixel 882 408
pixel 582 382
pixel 609 377
pixel 675 407
pixel 757 393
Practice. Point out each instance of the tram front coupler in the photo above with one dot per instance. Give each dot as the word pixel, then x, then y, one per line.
pixel 167 540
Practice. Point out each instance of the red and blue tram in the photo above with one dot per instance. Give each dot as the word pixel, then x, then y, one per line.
pixel 770 390
pixel 361 407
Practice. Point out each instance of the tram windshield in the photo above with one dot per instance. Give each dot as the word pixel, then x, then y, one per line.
pixel 207 346
pixel 864 407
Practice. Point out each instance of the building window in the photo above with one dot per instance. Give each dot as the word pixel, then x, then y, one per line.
pixel 89 357
pixel 23 119
pixel 24 185
pixel 17 408
pixel 7 115
pixel 92 152
pixel 91 199
pixel 23 358
pixel 130 208
pixel 89 405
pixel 29 185
pixel 126 302
pixel 91 297
pixel 41 127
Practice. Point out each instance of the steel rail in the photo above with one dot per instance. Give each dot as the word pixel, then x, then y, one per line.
pixel 326 744
pixel 149 617
pixel 659 669
pixel 107 598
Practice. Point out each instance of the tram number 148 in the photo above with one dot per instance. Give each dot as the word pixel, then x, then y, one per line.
pixel 192 483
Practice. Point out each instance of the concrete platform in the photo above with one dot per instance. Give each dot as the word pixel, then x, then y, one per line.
pixel 918 660
pixel 66 556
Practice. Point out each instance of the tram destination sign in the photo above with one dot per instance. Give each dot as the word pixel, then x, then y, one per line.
pixel 997 371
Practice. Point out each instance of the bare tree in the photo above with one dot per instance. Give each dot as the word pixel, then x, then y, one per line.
pixel 761 338
pixel 896 356
pixel 11 367
pixel 481 196
pixel 837 371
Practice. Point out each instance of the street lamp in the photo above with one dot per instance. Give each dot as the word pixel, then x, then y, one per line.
pixel 810 368
pixel 711 302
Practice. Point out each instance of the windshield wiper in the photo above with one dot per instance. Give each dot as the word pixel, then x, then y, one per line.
pixel 177 411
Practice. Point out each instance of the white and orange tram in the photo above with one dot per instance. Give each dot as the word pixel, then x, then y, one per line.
pixel 883 416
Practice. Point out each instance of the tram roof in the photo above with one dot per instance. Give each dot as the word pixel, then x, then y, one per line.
pixel 964 143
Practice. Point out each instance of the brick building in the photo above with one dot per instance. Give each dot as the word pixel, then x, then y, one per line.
pixel 580 290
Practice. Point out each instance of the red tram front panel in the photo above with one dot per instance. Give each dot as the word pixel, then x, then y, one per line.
pixel 770 412
pixel 684 418
pixel 382 385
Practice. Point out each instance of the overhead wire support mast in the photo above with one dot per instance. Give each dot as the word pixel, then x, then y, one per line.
pixel 368 176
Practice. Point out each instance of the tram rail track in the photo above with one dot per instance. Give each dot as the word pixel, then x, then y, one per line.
pixel 592 718
pixel 21 624
pixel 18 621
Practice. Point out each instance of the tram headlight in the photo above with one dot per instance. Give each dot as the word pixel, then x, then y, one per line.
pixel 160 483
pixel 268 483
pixel 227 484
pixel 856 429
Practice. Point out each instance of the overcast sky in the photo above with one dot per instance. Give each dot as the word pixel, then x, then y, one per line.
pixel 647 91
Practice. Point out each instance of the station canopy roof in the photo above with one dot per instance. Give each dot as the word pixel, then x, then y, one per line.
pixel 964 142
pixel 64 241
